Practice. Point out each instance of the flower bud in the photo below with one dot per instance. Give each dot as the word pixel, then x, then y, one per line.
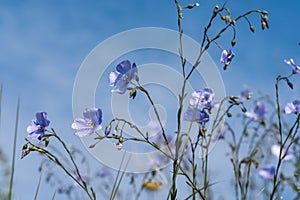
pixel 244 109
pixel 252 29
pixel 233 42
pixel 229 114
pixel 107 130
pixel 216 9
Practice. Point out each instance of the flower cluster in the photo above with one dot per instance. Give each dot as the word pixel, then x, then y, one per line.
pixel 200 104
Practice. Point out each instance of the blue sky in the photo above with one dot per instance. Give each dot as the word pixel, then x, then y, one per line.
pixel 43 43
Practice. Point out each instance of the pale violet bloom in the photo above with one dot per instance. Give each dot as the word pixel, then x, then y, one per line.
pixel 37 127
pixel 296 68
pixel 123 75
pixel 292 107
pixel 89 124
pixel 258 113
pixel 196 115
pixel 276 151
pixel 245 95
pixel 226 57
pixel 202 98
pixel 267 172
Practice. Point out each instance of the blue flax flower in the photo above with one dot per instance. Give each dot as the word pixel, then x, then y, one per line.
pixel 89 124
pixel 267 172
pixel 37 127
pixel 226 57
pixel 202 98
pixel 201 101
pixel 258 113
pixel 120 78
pixel 292 107
pixel 296 68
pixel 196 115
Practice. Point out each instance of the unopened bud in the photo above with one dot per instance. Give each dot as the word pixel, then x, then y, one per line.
pixel 216 9
pixel 107 130
pixel 244 109
pixel 233 42
pixel 263 25
pixel 229 115
pixel 252 29
pixel 180 15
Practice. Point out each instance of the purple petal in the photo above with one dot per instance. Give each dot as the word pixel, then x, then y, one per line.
pixel 42 119
pixel 267 172
pixel 93 114
pixel 80 124
pixel 121 86
pixel 124 67
pixel 36 135
pixel 114 77
pixel 32 127
pixel 224 55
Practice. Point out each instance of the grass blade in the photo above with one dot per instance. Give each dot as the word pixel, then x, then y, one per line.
pixel 14 152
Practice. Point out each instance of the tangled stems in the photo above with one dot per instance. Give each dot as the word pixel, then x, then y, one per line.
pixel 283 141
pixel 206 41
pixel 81 182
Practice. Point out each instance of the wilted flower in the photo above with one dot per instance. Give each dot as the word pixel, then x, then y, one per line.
pixel 90 123
pixel 293 107
pixel 36 128
pixel 202 98
pixel 120 78
pixel 226 57
pixel 267 172
pixel 258 113
pixel 296 68
pixel 276 151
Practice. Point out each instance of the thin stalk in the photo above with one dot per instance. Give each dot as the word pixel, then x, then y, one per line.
pixel 14 152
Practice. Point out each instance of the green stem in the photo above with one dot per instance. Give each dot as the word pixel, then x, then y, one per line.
pixel 14 152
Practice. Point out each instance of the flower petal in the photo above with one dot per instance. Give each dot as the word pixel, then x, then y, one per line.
pixel 124 67
pixel 42 119
pixel 32 127
pixel 114 77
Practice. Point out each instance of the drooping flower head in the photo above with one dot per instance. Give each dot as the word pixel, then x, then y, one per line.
pixel 226 57
pixel 202 98
pixel 37 127
pixel 258 113
pixel 292 107
pixel 267 172
pixel 276 151
pixel 89 124
pixel 120 78
pixel 296 68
